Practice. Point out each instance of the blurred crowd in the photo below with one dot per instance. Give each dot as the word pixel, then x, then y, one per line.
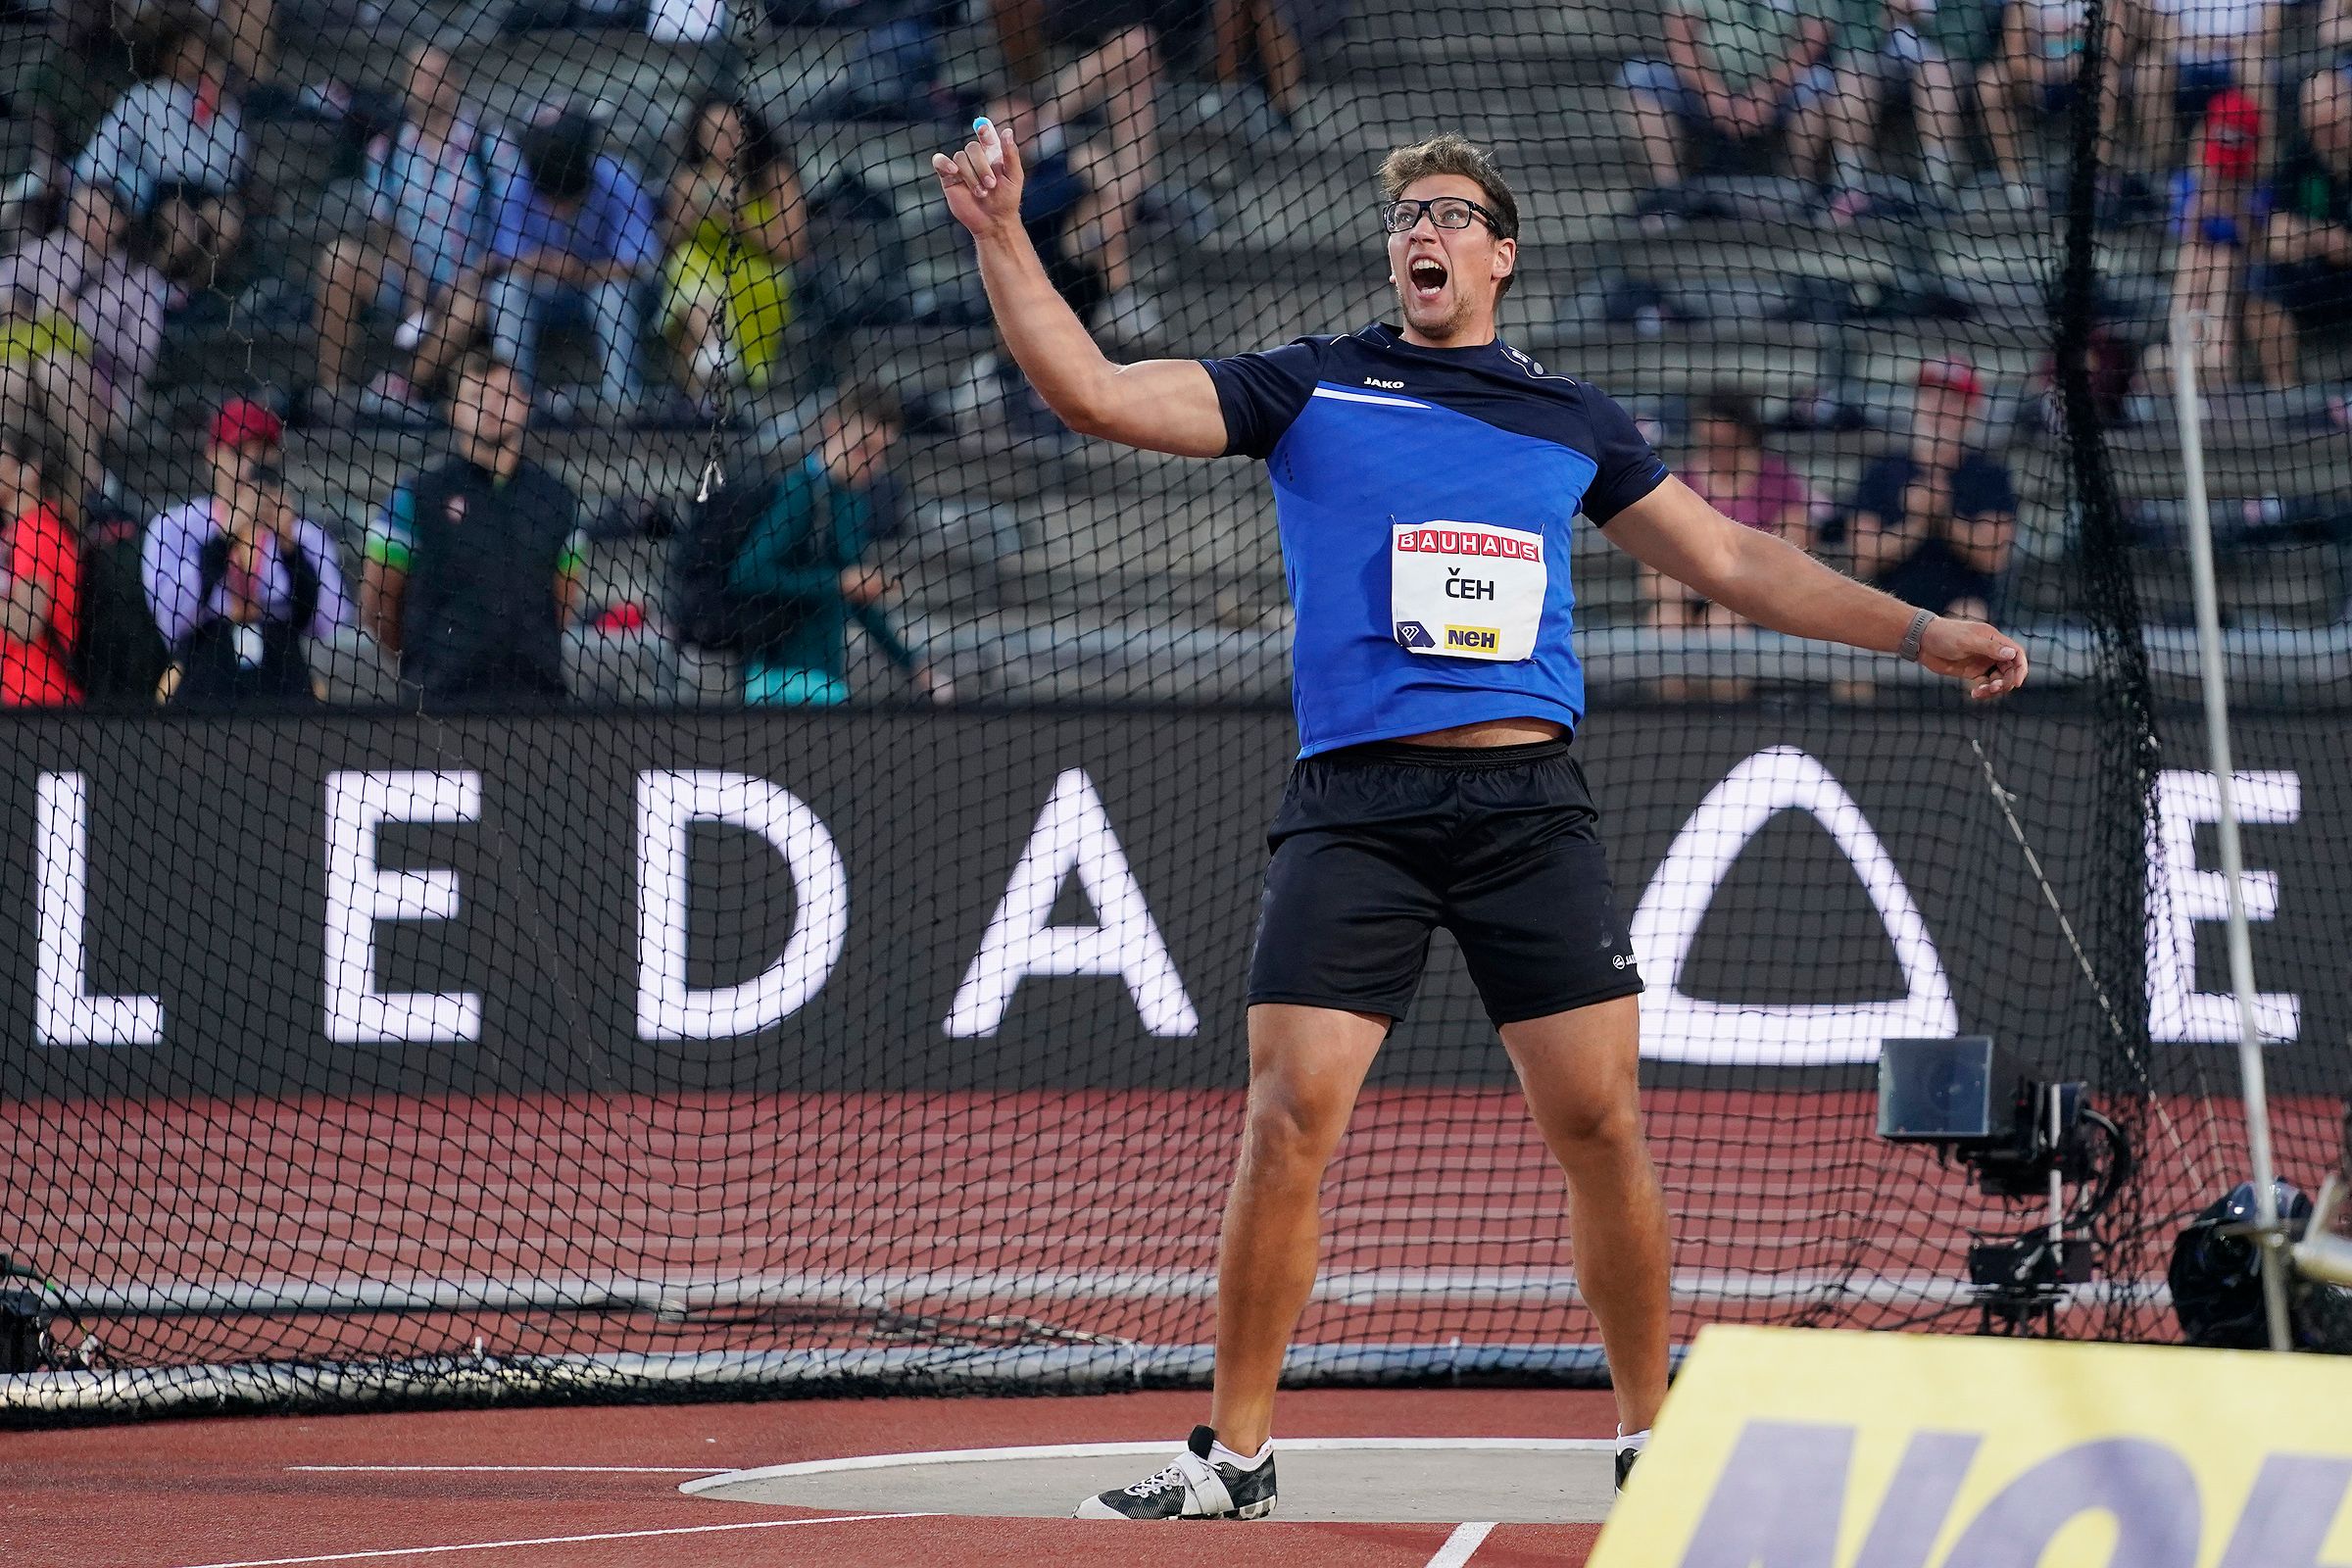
pixel 472 239
pixel 2203 110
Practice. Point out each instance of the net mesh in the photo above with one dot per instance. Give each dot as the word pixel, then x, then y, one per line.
pixel 758 899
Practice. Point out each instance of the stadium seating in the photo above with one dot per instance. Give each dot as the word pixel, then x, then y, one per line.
pixel 1025 567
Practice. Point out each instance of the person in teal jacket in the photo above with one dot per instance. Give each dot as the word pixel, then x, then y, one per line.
pixel 802 560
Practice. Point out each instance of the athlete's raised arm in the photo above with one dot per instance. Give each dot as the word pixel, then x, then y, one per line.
pixel 1163 405
pixel 1778 586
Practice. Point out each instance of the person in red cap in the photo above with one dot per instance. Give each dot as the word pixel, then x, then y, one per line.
pixel 2304 281
pixel 2214 202
pixel 2194 51
pixel 1934 519
pixel 245 438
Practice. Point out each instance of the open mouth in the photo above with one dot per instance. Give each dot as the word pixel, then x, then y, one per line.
pixel 1426 276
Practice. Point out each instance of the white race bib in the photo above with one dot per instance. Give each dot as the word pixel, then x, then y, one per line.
pixel 1465 590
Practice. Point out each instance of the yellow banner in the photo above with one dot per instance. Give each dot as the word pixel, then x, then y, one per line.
pixel 1798 1448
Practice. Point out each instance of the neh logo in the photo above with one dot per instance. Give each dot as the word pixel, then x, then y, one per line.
pixel 1477 639
pixel 1412 634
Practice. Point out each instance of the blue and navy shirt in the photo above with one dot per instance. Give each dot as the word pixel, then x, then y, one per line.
pixel 1365 431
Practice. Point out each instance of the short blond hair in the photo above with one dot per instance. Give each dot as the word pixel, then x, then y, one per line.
pixel 1451 152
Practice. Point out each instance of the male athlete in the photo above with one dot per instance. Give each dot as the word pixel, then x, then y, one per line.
pixel 1426 480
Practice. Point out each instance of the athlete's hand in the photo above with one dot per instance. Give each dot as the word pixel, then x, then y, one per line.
pixel 1993 665
pixel 983 181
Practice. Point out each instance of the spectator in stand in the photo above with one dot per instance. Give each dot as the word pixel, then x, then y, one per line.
pixel 1736 72
pixel 737 224
pixel 248 31
pixel 174 149
pixel 1051 194
pixel 82 323
pixel 892 71
pixel 2195 50
pixel 575 236
pixel 800 577
pixel 2305 281
pixel 255 651
pixel 1277 33
pixel 992 394
pixel 432 209
pixel 1892 56
pixel 228 558
pixel 1730 468
pixel 2216 211
pixel 1935 520
pixel 1101 114
pixel 2034 66
pixel 40 599
pixel 471 574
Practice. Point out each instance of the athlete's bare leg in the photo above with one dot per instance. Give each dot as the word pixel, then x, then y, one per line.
pixel 1305 1066
pixel 1578 1069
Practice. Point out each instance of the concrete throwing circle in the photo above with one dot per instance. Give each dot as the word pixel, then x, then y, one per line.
pixel 1348 1480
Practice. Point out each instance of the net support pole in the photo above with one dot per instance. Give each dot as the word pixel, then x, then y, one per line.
pixel 2253 1073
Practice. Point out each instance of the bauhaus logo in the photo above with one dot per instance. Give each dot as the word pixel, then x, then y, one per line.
pixel 1488 543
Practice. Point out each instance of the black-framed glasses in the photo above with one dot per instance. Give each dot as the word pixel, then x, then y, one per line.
pixel 1446 212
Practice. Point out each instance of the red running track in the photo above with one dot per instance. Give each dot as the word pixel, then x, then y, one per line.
pixel 1093 1211
pixel 173 1495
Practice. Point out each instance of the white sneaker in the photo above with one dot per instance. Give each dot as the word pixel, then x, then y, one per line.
pixel 1193 1488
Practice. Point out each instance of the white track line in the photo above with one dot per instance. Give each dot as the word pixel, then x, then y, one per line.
pixel 713 1481
pixel 516 1469
pixel 555 1540
pixel 1465 1540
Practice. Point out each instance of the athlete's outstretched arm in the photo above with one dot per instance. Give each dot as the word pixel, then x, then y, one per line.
pixel 1778 586
pixel 1164 404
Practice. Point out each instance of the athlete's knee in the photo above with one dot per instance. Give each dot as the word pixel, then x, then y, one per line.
pixel 1290 1134
pixel 1596 1129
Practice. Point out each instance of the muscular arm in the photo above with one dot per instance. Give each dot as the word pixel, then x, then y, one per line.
pixel 1778 586
pixel 1161 405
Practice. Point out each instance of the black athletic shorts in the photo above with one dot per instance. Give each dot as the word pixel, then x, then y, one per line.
pixel 1376 846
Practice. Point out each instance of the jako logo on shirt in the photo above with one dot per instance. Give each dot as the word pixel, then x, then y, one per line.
pixel 1393 386
pixel 1461 542
pixel 1480 639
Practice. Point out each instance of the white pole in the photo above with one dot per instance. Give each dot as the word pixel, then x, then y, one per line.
pixel 2252 1073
